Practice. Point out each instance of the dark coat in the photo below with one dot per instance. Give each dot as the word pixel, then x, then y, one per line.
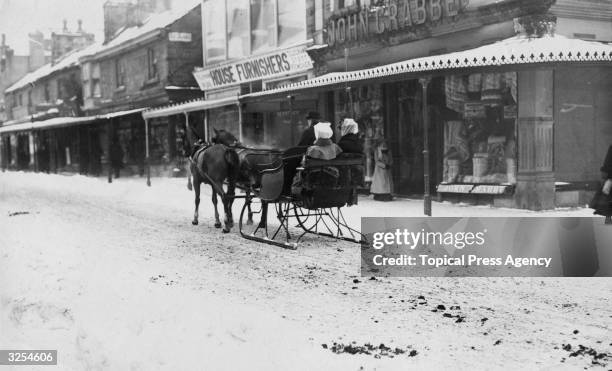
pixel 601 203
pixel 607 166
pixel 350 143
pixel 308 137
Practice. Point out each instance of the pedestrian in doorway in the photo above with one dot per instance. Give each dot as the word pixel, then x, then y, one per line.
pixel 116 156
pixel 602 202
pixel 382 182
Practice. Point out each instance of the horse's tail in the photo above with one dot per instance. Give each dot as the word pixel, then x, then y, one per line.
pixel 233 165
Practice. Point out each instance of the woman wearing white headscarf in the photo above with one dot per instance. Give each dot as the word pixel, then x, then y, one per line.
pixel 349 141
pixel 323 148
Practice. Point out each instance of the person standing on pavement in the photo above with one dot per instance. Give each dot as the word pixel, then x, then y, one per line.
pixel 382 183
pixel 602 203
pixel 116 156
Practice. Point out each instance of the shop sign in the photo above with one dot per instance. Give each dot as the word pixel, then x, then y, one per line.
pixel 272 65
pixel 183 37
pixel 395 15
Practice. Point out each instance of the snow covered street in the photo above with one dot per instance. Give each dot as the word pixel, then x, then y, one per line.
pixel 115 277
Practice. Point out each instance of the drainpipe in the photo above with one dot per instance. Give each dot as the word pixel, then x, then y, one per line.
pixel 147 152
pixel 110 142
pixel 426 171
pixel 240 134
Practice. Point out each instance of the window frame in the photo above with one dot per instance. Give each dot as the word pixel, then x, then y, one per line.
pixel 250 27
pixel 152 64
pixel 119 73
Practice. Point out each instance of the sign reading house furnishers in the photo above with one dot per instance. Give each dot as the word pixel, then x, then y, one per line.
pixel 271 65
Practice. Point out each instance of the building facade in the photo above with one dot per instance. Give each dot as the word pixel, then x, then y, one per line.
pixel 250 46
pixel 146 65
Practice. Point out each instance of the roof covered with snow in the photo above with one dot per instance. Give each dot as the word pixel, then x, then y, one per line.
pixel 153 23
pixel 517 50
pixel 48 69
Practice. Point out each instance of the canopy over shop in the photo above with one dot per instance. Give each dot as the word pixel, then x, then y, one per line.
pixel 480 85
pixel 45 142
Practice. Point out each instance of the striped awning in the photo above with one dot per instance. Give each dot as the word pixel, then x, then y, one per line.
pixel 515 51
pixel 190 106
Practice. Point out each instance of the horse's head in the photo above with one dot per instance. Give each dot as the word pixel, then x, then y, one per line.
pixel 224 137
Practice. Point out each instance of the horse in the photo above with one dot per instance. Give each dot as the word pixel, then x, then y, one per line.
pixel 213 165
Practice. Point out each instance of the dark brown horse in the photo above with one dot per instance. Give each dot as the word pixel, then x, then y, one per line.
pixel 214 165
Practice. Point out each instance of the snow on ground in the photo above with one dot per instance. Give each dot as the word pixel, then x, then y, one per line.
pixel 115 277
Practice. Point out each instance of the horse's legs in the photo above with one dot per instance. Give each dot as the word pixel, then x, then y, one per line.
pixel 264 215
pixel 228 202
pixel 188 168
pixel 250 212
pixel 214 201
pixel 197 202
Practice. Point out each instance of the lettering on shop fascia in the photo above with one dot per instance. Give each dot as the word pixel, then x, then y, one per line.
pixel 388 18
pixel 272 65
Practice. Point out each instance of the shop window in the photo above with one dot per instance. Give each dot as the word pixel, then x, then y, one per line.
pixel 151 64
pixel 366 107
pixel 480 134
pixel 214 31
pixel 119 73
pixel 291 23
pixel 263 25
pixel 238 39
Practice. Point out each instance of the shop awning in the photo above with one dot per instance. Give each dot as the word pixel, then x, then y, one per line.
pixel 190 106
pixel 15 128
pixel 57 122
pixel 62 121
pixel 515 51
pixel 121 113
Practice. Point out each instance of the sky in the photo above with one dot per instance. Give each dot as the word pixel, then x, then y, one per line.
pixel 20 17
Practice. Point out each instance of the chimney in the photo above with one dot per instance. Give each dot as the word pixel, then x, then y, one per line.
pixel 65 29
pixel 3 40
pixel 117 14
pixel 80 25
pixel 37 50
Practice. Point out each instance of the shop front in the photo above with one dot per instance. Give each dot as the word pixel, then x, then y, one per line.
pixel 516 123
pixel 270 124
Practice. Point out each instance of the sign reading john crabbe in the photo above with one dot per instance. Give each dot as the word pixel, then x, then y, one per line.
pixel 486 247
pixel 276 64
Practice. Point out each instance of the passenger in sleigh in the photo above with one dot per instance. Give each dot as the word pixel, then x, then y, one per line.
pixel 324 149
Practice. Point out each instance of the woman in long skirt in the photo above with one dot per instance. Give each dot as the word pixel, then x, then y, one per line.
pixel 382 182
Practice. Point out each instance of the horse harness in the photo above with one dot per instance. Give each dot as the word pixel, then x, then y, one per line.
pixel 203 146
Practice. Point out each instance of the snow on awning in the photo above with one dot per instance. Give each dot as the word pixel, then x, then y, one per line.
pixel 24 126
pixel 57 122
pixel 515 51
pixel 190 106
pixel 61 121
pixel 121 113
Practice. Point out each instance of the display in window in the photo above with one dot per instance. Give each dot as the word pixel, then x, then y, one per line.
pixel 481 148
